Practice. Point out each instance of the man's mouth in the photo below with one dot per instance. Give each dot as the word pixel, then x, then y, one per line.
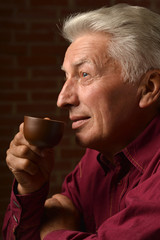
pixel 78 121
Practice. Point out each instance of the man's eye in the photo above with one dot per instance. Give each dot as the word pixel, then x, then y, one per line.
pixel 84 74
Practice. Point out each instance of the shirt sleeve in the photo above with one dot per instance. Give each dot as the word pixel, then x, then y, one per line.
pixel 24 214
pixel 138 220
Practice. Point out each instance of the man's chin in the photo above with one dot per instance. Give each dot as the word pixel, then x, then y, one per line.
pixel 84 141
pixel 81 141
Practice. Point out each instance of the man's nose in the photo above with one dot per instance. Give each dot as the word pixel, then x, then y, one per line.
pixel 68 96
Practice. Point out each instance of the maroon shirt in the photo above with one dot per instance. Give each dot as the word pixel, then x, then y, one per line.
pixel 117 202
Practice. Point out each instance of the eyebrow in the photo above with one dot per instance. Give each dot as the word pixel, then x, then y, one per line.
pixel 78 63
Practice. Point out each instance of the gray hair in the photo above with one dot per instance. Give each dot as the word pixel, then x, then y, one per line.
pixel 134 31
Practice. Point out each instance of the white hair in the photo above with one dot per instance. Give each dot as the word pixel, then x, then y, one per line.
pixel 134 31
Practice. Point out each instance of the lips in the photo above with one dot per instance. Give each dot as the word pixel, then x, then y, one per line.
pixel 78 121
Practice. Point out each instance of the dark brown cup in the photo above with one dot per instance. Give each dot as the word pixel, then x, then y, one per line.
pixel 41 132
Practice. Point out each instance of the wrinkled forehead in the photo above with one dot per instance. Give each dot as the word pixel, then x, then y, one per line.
pixel 88 48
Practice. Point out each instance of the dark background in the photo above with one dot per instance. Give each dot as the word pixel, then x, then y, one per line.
pixel 31 54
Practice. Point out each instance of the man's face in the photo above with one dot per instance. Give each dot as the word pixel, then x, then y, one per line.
pixel 101 106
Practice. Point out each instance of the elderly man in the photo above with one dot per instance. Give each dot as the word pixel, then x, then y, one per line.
pixel 112 91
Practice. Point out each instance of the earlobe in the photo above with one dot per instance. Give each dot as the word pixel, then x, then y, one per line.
pixel 150 88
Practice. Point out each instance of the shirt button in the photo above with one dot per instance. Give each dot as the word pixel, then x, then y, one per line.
pixel 120 182
pixel 16 220
pixel 16 204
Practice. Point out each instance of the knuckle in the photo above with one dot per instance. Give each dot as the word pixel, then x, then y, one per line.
pixel 7 156
pixel 11 144
pixel 9 162
pixel 11 147
pixel 26 164
pixel 23 150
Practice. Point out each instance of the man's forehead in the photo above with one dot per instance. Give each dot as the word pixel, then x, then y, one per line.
pixel 87 43
pixel 78 62
pixel 83 51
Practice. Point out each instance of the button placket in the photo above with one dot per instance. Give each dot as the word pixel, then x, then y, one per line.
pixel 124 187
pixel 16 211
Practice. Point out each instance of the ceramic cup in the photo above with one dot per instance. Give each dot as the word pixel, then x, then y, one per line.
pixel 41 132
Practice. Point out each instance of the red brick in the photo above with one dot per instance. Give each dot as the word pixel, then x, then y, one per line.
pixel 19 2
pixel 48 2
pixel 11 2
pixel 35 108
pixel 157 5
pixel 6 60
pixel 12 72
pixel 12 25
pixel 4 169
pixel 6 177
pixel 13 49
pixel 39 73
pixel 61 40
pixel 44 96
pixel 36 13
pixel 5 146
pixel 13 96
pixel 55 189
pixel 37 61
pixel 34 37
pixel 65 12
pixel 48 50
pixel 92 4
pixel 5 201
pixel 59 165
pixel 10 120
pixel 145 3
pixel 5 131
pixel 53 178
pixel 132 2
pixel 6 12
pixel 5 36
pixel 3 153
pixel 39 84
pixel 6 2
pixel 5 189
pixel 43 26
pixel 5 108
pixel 66 140
pixel 6 85
pixel 4 143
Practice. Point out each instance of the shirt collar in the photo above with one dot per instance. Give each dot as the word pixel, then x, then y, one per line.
pixel 143 148
pixel 140 151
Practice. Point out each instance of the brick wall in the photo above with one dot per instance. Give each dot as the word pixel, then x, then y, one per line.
pixel 31 53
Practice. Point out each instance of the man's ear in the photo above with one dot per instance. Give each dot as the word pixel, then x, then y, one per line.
pixel 149 88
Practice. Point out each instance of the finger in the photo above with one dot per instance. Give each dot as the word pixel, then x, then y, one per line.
pixel 21 127
pixel 16 165
pixel 23 151
pixel 47 118
pixel 19 139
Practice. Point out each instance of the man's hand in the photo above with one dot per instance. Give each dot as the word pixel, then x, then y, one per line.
pixel 30 165
pixel 60 213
